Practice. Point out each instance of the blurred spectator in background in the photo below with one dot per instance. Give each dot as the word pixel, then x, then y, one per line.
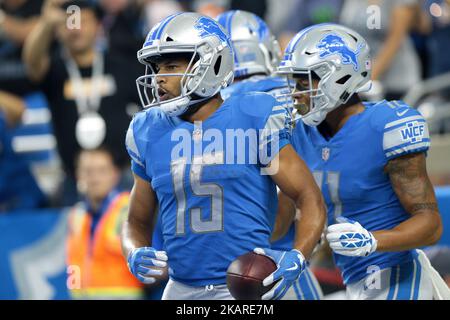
pixel 396 64
pixel 92 94
pixel 295 15
pixel 436 17
pixel 213 8
pixel 93 243
pixel 156 10
pixel 18 188
pixel 17 19
pixel 257 7
pixel 433 95
pixel 32 139
pixel 124 27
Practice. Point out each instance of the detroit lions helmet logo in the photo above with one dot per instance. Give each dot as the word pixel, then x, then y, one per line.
pixel 334 44
pixel 208 27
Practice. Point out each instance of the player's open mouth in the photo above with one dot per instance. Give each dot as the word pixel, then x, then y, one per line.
pixel 163 95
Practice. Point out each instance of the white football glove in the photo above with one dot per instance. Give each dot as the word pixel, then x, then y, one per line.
pixel 349 238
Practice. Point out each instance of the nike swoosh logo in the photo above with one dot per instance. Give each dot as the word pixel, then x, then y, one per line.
pixel 401 113
pixel 294 267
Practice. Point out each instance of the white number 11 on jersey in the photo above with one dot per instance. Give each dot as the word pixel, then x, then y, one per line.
pixel 332 180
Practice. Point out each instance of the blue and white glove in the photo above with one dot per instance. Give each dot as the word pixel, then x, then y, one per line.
pixel 290 264
pixel 349 238
pixel 141 263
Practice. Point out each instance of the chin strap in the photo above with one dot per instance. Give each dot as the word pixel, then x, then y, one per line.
pixel 194 106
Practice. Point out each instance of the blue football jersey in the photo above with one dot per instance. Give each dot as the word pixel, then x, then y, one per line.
pixel 275 86
pixel 349 169
pixel 214 205
pixel 278 88
pixel 305 288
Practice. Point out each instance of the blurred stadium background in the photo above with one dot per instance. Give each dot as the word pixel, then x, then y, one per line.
pixel 41 169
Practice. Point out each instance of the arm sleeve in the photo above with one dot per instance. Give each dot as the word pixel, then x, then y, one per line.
pixel 407 133
pixel 275 134
pixel 137 159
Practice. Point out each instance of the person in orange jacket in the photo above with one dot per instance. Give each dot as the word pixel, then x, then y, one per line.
pixel 96 266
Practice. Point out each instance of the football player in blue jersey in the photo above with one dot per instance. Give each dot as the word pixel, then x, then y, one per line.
pixel 211 167
pixel 256 56
pixel 369 160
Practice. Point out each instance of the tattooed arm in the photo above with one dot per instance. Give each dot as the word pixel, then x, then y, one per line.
pixel 410 182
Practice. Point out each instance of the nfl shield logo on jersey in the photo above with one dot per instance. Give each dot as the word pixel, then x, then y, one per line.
pixel 197 134
pixel 325 154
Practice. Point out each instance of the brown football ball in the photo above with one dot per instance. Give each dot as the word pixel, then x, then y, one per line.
pixel 245 276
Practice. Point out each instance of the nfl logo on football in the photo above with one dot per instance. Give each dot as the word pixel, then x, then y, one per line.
pixel 325 154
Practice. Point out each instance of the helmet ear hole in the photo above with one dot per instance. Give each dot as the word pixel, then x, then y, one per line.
pixel 217 65
pixel 344 79
pixel 315 76
pixel 354 38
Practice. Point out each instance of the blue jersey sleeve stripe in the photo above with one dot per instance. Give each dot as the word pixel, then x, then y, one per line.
pixel 403 124
pixel 410 149
pixel 130 142
pixel 281 111
pixel 409 144
pixel 139 171
pixel 132 148
pixel 135 158
pixel 279 107
pixel 401 121
pixel 276 121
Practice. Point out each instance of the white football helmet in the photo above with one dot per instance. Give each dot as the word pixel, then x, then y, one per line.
pixel 255 48
pixel 210 68
pixel 340 59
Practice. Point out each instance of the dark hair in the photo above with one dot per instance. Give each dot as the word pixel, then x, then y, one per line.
pixel 85 4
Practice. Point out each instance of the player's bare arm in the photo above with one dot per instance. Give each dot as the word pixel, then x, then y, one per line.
pixel 147 264
pixel 411 184
pixel 296 181
pixel 285 216
pixel 138 226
